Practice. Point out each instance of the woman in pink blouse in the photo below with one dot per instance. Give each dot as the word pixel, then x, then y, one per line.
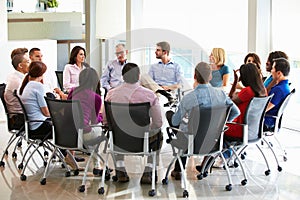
pixel 74 67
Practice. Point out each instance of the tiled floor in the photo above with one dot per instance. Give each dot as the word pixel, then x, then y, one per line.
pixel 278 185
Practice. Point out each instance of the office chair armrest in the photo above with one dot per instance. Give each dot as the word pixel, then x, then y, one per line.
pixel 273 116
pixel 245 131
pixel 171 134
pixel 29 121
pixel 14 113
pixel 225 128
pixel 178 130
pixel 236 123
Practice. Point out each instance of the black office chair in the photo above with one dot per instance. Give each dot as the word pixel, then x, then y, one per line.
pixel 252 132
pixel 34 141
pixel 204 137
pixel 272 133
pixel 15 128
pixel 67 119
pixel 128 124
pixel 59 76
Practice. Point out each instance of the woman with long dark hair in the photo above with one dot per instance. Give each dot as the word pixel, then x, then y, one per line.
pixel 90 100
pixel 253 87
pixel 74 67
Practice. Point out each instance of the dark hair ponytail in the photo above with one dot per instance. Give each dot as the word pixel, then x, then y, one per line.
pixel 36 69
pixel 24 83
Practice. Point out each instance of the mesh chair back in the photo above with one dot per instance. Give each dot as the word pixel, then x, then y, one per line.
pixel 128 123
pixel 254 117
pixel 59 76
pixel 282 108
pixel 22 105
pixel 2 89
pixel 67 119
pixel 207 124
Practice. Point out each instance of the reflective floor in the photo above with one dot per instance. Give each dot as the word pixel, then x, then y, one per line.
pixel 278 185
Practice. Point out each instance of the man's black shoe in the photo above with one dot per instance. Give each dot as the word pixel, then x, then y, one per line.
pixel 168 95
pixel 79 159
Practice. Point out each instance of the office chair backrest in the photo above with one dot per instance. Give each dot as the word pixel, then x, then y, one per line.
pixel 282 108
pixel 67 119
pixel 22 105
pixel 254 117
pixel 128 123
pixel 59 76
pixel 207 125
pixel 2 90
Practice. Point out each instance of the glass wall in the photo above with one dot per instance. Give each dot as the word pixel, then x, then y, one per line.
pixel 285 34
pixel 208 24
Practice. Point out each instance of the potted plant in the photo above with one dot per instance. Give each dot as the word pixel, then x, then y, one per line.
pixel 52 5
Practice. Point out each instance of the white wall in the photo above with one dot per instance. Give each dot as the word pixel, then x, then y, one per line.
pixel 3 20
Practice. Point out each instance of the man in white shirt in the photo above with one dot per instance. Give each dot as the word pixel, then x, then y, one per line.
pixel 20 62
pixel 49 80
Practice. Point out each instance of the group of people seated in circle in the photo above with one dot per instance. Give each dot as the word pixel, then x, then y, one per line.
pixel 124 83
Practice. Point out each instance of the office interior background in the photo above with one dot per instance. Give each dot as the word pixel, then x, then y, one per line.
pixel 193 28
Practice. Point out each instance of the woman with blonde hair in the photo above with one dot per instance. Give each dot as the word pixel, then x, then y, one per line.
pixel 220 71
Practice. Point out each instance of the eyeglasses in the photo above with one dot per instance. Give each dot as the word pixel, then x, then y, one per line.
pixel 119 53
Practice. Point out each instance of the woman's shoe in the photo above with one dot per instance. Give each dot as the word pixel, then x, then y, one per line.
pixel 69 161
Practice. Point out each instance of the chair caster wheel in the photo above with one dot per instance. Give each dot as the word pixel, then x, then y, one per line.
pixel 81 188
pixel 151 193
pixel 43 181
pixel 107 177
pixel 115 178
pixel 200 176
pixel 101 190
pixel 46 154
pixel 244 182
pixel 267 173
pixel 2 164
pixel 23 177
pixel 19 144
pixel 68 174
pixel 236 165
pixel 14 155
pixel 20 166
pixel 284 158
pixel 76 172
pixel 205 174
pixel 185 194
pixel 279 168
pixel 228 187
pixel 242 156
pixel 165 181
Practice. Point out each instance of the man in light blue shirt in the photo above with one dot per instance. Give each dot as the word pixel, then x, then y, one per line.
pixel 112 75
pixel 166 74
pixel 203 94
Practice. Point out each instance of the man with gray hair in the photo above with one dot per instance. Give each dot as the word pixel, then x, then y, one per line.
pixel 112 75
